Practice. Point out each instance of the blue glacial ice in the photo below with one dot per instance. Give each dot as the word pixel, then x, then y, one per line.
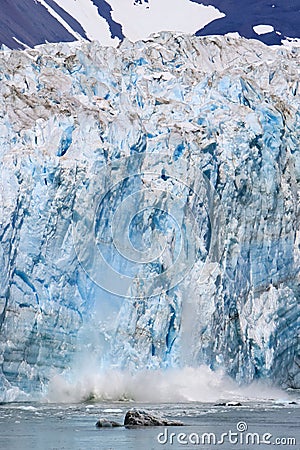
pixel 149 209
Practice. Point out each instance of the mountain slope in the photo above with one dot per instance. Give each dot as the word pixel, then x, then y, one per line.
pixel 33 22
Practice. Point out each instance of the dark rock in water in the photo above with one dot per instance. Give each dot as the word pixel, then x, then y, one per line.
pixel 104 423
pixel 293 403
pixel 229 404
pixel 233 404
pixel 139 418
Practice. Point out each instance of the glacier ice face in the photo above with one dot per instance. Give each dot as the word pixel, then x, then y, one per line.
pixel 149 208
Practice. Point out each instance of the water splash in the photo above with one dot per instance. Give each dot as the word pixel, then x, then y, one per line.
pixel 156 386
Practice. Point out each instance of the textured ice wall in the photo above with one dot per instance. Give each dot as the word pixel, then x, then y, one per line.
pixel 200 138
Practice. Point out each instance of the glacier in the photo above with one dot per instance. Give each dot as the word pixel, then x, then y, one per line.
pixel 149 209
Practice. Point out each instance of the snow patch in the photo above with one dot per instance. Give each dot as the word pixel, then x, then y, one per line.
pixel 86 13
pixel 263 29
pixel 162 15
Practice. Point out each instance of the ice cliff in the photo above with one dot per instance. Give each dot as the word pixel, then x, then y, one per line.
pixel 158 184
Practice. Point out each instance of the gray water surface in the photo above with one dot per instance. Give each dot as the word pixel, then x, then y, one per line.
pixel 35 426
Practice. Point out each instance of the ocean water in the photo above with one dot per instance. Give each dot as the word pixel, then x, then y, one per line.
pixel 46 426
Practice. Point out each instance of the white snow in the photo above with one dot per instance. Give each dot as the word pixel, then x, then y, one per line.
pixel 20 42
pixel 139 21
pixel 162 15
pixel 263 29
pixel 86 13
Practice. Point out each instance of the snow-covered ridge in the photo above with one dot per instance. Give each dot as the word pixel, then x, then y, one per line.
pixel 76 116
pixel 139 21
pixel 110 21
